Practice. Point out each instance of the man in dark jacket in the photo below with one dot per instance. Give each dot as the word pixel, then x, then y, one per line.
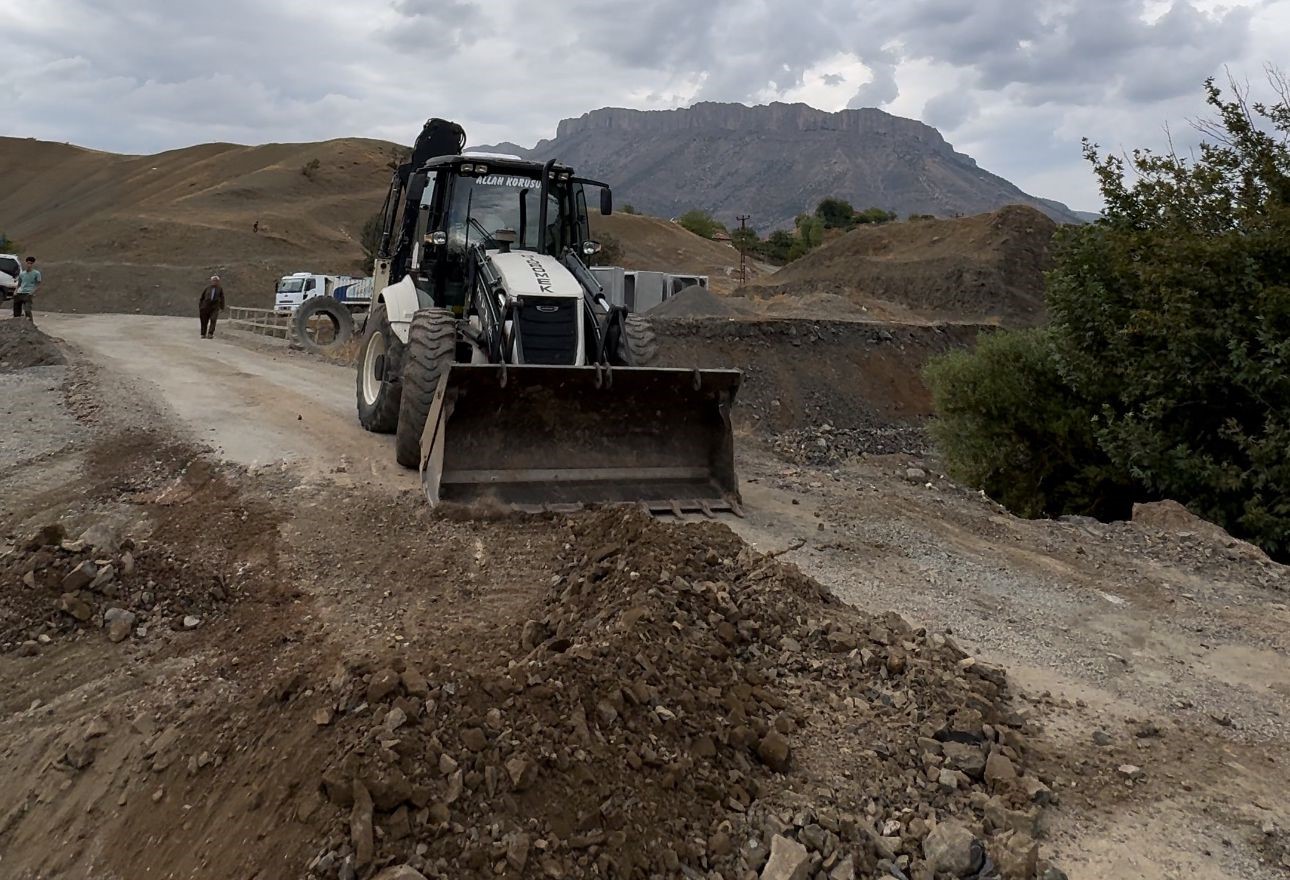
pixel 209 306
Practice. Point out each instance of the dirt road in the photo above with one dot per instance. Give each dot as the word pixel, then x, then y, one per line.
pixel 255 406
pixel 1152 663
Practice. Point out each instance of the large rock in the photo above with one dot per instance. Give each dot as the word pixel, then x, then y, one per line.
pixel 999 770
pixel 1016 855
pixel 775 751
pixel 789 860
pixel 950 848
pixel 966 758
pixel 80 577
pixel 360 826
pixel 75 606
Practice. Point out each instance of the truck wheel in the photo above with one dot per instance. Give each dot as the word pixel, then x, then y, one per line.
pixel 641 344
pixel 323 324
pixel 380 360
pixel 432 347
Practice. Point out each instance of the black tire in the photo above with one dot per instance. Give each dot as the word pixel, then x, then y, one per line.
pixel 641 343
pixel 337 315
pixel 432 347
pixel 378 402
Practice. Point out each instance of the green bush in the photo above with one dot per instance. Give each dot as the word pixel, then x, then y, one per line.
pixel 1009 424
pixel 310 168
pixel 1169 337
pixel 700 223
pixel 835 213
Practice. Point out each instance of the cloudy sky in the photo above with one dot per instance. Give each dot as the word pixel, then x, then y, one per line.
pixel 1014 83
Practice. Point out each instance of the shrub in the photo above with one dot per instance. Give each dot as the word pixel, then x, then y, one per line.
pixel 700 223
pixel 310 168
pixel 1009 424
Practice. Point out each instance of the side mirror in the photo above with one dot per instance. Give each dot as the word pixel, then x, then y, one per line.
pixel 590 248
pixel 606 201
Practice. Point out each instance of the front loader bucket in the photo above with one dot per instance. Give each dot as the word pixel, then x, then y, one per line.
pixel 548 437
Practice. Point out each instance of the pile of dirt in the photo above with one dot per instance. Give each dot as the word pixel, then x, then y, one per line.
pixel 699 302
pixel 799 376
pixel 657 716
pixel 23 346
pixel 984 268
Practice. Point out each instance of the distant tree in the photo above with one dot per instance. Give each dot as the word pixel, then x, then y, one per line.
pixel 701 223
pixel 875 216
pixel 810 235
pixel 611 251
pixel 922 217
pixel 835 213
pixel 310 168
pixel 777 246
pixel 370 240
pixel 745 239
pixel 629 208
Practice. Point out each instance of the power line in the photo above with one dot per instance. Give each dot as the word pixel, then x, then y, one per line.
pixel 743 243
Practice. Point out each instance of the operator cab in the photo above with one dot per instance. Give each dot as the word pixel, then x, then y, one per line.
pixel 481 199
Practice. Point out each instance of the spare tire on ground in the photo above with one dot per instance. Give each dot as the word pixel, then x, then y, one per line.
pixel 323 324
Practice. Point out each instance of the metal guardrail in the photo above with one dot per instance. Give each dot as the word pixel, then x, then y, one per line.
pixel 263 322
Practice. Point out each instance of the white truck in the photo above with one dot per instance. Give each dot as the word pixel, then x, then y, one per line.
pixel 10 266
pixel 294 289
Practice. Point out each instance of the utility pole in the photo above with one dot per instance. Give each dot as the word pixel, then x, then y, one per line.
pixel 743 244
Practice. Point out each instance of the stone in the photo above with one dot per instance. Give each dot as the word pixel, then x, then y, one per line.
pixel 400 872
pixel 999 817
pixel 950 779
pixel 517 851
pixel 1130 771
pixel 950 848
pixel 1036 791
pixel 191 622
pixel 106 575
pixel 29 648
pixel 80 577
pixel 789 860
pixel 77 607
pixel 120 623
pixel 967 758
pixel 474 739
pixel 398 826
pixel 534 634
pixel 844 870
pixel 774 751
pixel 447 764
pixel 127 564
pixel 915 474
pixel 80 755
pixel 1052 872
pixel 395 719
pixel 1101 738
pixel 323 716
pixel 522 772
pixel 360 826
pixel 103 538
pixel 1016 856
pixel 999 770
pixel 29 580
pixel 720 844
pixel 415 683
pixel 383 683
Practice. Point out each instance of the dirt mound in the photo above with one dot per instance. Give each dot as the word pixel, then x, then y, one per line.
pixel 862 381
pixel 647 719
pixel 23 346
pixel 984 268
pixel 696 302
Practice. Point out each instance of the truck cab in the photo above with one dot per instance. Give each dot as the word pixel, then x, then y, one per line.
pixel 294 289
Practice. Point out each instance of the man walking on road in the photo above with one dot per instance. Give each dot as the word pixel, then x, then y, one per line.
pixel 28 283
pixel 209 306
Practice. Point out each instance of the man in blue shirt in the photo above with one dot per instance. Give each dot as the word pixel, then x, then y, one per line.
pixel 28 283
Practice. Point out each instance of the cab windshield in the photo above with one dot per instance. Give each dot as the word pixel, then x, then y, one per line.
pixel 291 285
pixel 9 266
pixel 483 205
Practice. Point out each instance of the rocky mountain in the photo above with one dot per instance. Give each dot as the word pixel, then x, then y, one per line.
pixel 776 161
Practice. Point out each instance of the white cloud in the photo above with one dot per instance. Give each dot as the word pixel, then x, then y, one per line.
pixel 1015 83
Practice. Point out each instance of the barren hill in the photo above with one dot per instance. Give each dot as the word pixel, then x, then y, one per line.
pixel 139 233
pixel 778 160
pixel 984 268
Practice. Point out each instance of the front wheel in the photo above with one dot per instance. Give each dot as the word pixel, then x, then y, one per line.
pixel 432 347
pixel 379 361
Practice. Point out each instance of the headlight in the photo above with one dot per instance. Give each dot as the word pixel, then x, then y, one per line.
pixel 468 168
pixel 590 247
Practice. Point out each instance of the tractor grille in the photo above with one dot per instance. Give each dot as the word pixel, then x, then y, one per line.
pixel 549 331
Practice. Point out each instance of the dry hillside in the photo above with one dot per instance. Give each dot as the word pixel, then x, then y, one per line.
pixel 984 268
pixel 141 233
pixel 135 233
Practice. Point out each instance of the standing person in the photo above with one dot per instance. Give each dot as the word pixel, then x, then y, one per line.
pixel 209 306
pixel 28 283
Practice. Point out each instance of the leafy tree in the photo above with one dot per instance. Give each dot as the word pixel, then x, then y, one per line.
pixel 701 223
pixel 777 246
pixel 369 239
pixel 310 168
pixel 810 235
pixel 835 213
pixel 611 251
pixel 1170 331
pixel 629 208
pixel 875 216
pixel 745 239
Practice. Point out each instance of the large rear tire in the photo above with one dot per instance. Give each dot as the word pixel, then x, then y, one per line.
pixel 380 356
pixel 641 343
pixel 337 324
pixel 432 347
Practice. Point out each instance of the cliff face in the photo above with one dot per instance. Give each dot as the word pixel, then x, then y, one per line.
pixel 778 160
